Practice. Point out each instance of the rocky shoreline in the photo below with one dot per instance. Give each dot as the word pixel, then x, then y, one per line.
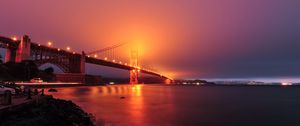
pixel 47 112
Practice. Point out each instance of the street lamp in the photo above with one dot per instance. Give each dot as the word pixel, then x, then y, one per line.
pixel 50 43
pixel 68 48
pixel 14 38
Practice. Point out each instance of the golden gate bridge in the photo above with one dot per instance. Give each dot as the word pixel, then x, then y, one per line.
pixel 73 62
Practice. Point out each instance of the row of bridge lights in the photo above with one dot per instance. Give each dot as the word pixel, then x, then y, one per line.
pixel 105 58
pixel 50 44
pixel 120 62
pixel 68 48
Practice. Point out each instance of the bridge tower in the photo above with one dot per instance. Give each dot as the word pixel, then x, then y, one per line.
pixel 23 51
pixel 134 73
pixel 19 53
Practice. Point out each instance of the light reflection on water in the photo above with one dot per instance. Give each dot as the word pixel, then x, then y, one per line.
pixel 105 102
pixel 156 105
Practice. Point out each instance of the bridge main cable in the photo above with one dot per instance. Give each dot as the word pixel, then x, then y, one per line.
pixel 107 48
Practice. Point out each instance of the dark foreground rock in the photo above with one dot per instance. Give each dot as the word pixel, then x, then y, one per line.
pixel 48 112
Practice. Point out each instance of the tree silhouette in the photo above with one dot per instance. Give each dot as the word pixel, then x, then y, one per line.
pixel 24 70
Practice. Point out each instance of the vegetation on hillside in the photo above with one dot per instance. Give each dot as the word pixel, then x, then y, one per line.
pixel 23 71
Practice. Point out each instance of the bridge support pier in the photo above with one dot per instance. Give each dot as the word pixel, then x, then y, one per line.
pixel 23 51
pixel 76 64
pixel 134 76
pixel 82 63
pixel 10 55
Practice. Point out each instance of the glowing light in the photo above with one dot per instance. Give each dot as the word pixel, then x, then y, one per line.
pixel 68 48
pixel 168 81
pixel 58 49
pixel 286 83
pixel 49 43
pixel 126 64
pixel 133 88
pixel 137 89
pixel 39 44
pixel 14 38
pixel 114 60
pixel 95 55
pixel 74 53
pixel 120 62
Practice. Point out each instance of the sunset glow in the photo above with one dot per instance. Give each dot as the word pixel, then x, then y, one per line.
pixel 208 35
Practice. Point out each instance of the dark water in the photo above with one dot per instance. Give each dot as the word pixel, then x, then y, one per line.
pixel 156 105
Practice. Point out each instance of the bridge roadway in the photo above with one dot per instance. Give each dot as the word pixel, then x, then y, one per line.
pixel 9 43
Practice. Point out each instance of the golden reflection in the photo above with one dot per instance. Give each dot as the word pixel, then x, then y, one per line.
pixel 95 91
pixel 118 90
pixel 136 89
pixel 136 104
pixel 113 90
pixel 104 90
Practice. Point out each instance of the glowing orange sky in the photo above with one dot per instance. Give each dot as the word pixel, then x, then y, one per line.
pixel 189 38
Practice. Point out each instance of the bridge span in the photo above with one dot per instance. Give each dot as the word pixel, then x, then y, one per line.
pixel 68 61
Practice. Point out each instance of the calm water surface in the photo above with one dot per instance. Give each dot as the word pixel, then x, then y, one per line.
pixel 158 105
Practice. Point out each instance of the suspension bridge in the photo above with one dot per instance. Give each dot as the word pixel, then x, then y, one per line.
pixel 73 62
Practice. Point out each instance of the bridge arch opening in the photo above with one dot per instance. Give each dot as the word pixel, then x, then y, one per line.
pixel 56 68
